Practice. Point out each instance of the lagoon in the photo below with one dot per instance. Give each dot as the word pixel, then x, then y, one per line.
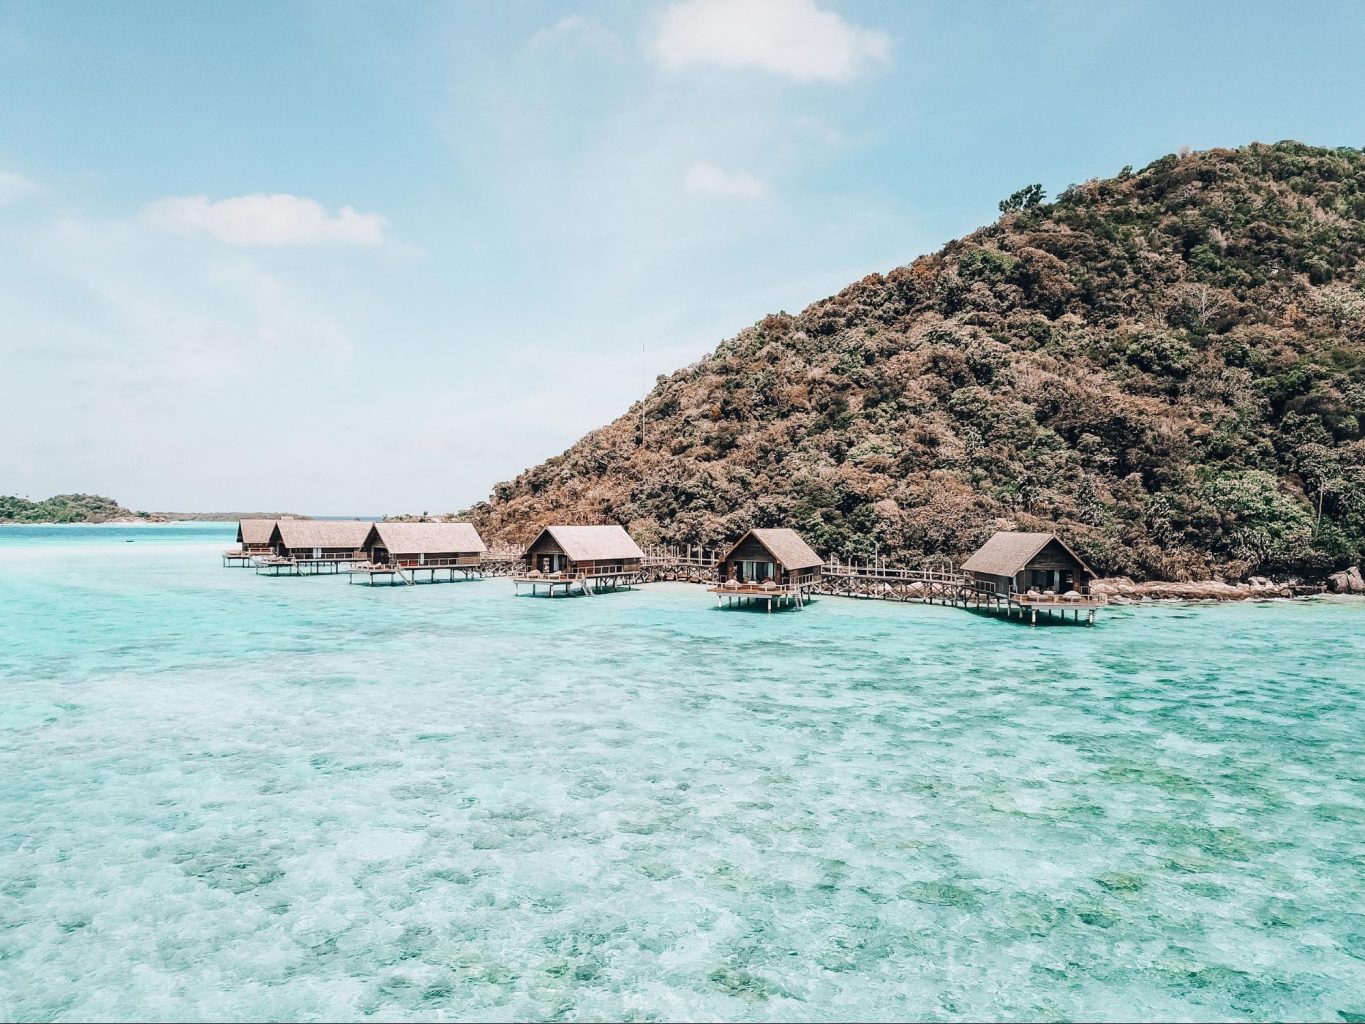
pixel 226 796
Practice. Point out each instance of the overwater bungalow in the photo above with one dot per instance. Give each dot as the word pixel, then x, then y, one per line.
pixel 769 565
pixel 1031 571
pixel 253 540
pixel 1016 563
pixel 306 547
pixel 408 552
pixel 591 557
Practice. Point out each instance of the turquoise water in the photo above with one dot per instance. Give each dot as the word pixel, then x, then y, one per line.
pixel 224 796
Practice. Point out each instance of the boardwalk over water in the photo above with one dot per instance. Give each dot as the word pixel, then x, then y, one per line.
pixel 875 581
pixel 872 581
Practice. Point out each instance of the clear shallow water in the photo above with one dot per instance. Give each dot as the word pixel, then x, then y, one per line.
pixel 223 796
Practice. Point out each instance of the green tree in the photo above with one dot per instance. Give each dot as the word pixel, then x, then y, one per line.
pixel 1027 198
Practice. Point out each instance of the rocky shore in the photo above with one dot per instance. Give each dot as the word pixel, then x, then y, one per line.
pixel 1122 590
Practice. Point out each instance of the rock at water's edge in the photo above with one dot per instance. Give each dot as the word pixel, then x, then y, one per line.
pixel 1348 581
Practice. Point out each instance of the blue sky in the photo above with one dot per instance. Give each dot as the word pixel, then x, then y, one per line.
pixel 377 257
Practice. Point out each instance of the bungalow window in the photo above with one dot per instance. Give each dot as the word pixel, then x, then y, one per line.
pixel 756 572
pixel 1059 580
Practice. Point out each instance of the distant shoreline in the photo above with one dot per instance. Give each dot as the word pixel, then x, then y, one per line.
pixel 167 518
pixel 219 517
pixel 162 518
pixel 1120 591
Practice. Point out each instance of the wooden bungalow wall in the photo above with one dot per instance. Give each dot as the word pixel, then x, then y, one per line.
pixel 547 545
pixel 752 550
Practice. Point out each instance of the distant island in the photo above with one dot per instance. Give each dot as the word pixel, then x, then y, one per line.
pixel 68 508
pixel 96 508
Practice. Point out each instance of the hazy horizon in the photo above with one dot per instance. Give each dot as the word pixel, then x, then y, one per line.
pixel 307 257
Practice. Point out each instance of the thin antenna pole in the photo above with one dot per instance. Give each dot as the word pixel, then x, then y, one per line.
pixel 644 392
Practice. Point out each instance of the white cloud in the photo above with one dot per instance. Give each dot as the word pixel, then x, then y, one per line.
pixel 14 186
pixel 573 31
pixel 279 219
pixel 709 180
pixel 159 349
pixel 786 37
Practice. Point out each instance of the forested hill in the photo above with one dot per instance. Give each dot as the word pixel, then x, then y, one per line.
pixel 1167 366
pixel 65 508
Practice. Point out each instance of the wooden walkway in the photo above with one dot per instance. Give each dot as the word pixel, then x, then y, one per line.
pixel 935 584
pixel 875 581
pixel 890 583
pixel 689 564
pixel 950 587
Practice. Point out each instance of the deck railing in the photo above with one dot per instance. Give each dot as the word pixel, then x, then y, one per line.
pixel 606 569
pixel 876 571
pixel 755 590
pixel 695 556
pixel 306 555
pixel 703 557
pixel 1038 598
pixel 458 561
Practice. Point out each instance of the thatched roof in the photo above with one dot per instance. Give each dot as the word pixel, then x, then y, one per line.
pixel 321 533
pixel 786 547
pixel 592 543
pixel 1007 553
pixel 255 531
pixel 426 538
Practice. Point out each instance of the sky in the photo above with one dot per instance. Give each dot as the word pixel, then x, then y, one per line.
pixel 346 258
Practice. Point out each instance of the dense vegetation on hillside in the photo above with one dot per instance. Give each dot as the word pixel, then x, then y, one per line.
pixel 64 508
pixel 1168 367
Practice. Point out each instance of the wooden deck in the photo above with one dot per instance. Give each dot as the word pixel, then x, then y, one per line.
pixel 586 583
pixel 405 571
pixel 273 566
pixel 410 575
pixel 749 593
